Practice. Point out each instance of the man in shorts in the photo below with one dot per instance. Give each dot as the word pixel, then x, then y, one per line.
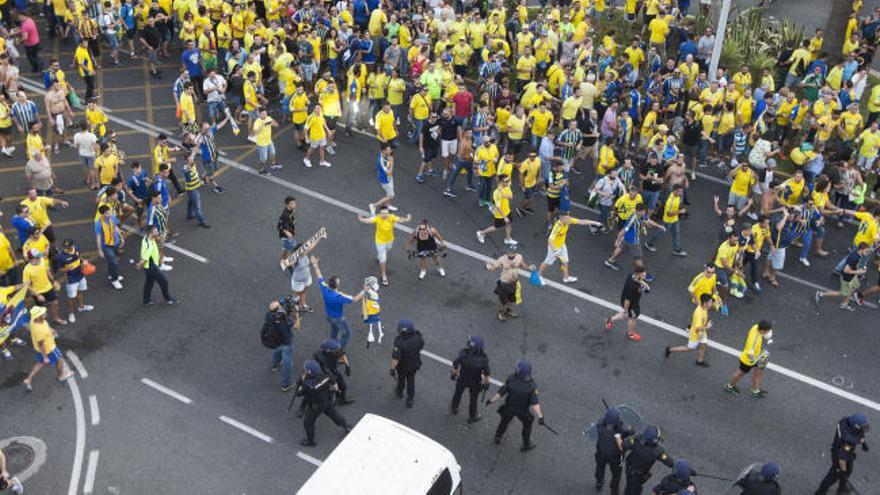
pixel 556 247
pixel 448 139
pixel 698 337
pixel 71 263
pixel 385 223
pixel 385 174
pixel 854 270
pixel 507 287
pixel 48 353
pixel 59 112
pixel 751 358
pixel 500 212
pixel 41 283
pixel 629 300
pixel 262 130
pixel 630 235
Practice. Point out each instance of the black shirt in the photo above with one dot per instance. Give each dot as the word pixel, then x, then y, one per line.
pixel 407 351
pixel 632 291
pixel 519 394
pixel 315 391
pixel 693 132
pixel 286 222
pixel 472 366
pixel 282 324
pixel 853 259
pixel 150 34
pixel 448 129
pixel 431 135
pixel 649 169
pixel 641 457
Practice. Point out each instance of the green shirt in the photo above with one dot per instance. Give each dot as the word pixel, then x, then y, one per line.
pixel 149 253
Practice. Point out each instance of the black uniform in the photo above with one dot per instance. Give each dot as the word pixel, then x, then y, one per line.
pixel 754 484
pixel 608 453
pixel 671 485
pixel 317 393
pixel 639 461
pixel 843 448
pixel 407 351
pixel 329 362
pixel 520 393
pixel 472 364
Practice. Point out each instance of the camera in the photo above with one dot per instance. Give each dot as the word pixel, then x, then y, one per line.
pixel 290 304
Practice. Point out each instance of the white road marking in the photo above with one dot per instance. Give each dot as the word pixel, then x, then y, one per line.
pixel 170 245
pixel 93 407
pixel 247 429
pixel 153 127
pixel 311 460
pixel 80 449
pixel 40 450
pixel 89 485
pixel 587 297
pixel 443 360
pixel 80 369
pixel 165 390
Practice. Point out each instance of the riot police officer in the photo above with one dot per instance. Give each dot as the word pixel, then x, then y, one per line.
pixel 521 394
pixel 609 447
pixel 470 370
pixel 330 356
pixel 316 389
pixel 679 479
pixel 643 450
pixel 849 435
pixel 406 358
pixel 761 481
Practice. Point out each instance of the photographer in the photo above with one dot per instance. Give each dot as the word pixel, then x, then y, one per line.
pixel 285 319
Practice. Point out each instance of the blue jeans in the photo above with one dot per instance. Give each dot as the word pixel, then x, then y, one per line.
pixel 194 206
pixel 674 230
pixel 604 213
pixel 338 325
pixel 216 110
pixel 807 239
pixel 486 188
pixel 111 254
pixel 284 354
pixel 456 171
pixel 417 131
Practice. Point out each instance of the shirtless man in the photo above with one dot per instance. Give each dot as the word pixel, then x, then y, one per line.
pixel 59 114
pixel 676 173
pixel 507 285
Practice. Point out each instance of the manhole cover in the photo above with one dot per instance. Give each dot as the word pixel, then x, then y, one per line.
pixel 24 455
pixel 18 457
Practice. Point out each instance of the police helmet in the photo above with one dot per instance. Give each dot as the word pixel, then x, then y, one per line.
pixel 651 435
pixel 612 416
pixel 311 368
pixel 523 368
pixel 683 470
pixel 476 342
pixel 770 471
pixel 859 421
pixel 406 326
pixel 330 345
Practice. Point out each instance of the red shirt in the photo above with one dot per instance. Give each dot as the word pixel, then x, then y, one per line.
pixel 463 101
pixel 29 29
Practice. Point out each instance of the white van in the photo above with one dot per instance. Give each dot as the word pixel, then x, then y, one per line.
pixel 381 456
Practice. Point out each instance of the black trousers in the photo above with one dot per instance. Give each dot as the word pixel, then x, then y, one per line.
pixel 407 379
pixel 634 482
pixel 343 387
pixel 836 475
pixel 473 393
pixel 614 464
pixel 154 275
pixel 90 86
pixel 312 413
pixel 33 56
pixel 525 418
pixel 198 86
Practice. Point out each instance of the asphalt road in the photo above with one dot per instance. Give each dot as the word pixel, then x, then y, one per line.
pixel 207 350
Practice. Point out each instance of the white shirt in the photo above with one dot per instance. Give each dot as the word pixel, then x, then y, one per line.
pixel 217 83
pixel 85 143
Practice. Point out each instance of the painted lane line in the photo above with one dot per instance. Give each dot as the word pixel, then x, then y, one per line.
pixel 311 460
pixel 93 408
pixel 89 485
pixel 80 449
pixel 153 127
pixel 165 390
pixel 247 429
pixel 80 369
pixel 443 360
pixel 170 245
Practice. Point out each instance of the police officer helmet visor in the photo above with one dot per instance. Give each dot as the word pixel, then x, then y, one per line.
pixel 475 342
pixel 523 368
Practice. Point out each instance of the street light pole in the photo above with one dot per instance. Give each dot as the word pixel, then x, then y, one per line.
pixel 719 38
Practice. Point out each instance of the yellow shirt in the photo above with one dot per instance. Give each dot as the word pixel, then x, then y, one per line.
pixel 299 108
pixel 187 108
pixel 501 199
pixel 726 123
pixel 726 255
pixel 5 116
pixel 524 67
pixel 742 81
pixel 34 143
pixel 540 122
pixel 869 142
pixel 384 228
pixel 529 169
pixel 263 131
pixel 396 90
pixel 42 338
pixel 485 158
pixel 315 127
pixel 851 123
pixel 625 206
pixel 867 230
pixel 699 320
pixel 743 180
pixel 671 208
pixel 84 61
pixel 6 260
pixel 701 284
pixel 659 29
pixel 607 160
pixel 250 97
pixel 108 168
pixel 385 130
pixel 38 277
pixel 570 107
pixel 516 126
pixel 752 349
pixel 420 106
pixel 97 118
pixel 558 234
pixel 37 208
pixel 708 97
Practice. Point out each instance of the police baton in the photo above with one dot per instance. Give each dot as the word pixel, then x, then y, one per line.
pixel 545 425
pixel 713 477
pixel 292 400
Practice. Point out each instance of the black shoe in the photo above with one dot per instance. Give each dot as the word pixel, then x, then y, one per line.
pixel 204 226
pixel 305 442
pixel 399 393
pixel 667 352
pixel 345 402
pixel 285 388
pixel 704 364
pixel 453 410
pixel 497 440
pixel 527 447
pixel 474 419
pixel 599 485
pixel 409 403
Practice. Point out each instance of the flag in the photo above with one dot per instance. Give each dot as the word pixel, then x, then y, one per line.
pixel 14 314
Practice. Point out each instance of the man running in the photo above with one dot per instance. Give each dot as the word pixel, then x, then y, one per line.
pixel 698 337
pixel 501 212
pixel 385 174
pixel 633 288
pixel 556 248
pixel 751 357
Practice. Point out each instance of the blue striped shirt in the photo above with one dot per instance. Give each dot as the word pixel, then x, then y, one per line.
pixel 24 113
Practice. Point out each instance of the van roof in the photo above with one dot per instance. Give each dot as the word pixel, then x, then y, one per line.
pixel 381 456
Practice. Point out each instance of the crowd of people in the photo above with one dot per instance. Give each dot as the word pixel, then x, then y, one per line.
pixel 516 99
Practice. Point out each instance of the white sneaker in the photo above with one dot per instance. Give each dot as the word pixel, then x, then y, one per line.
pixel 166 268
pixel 7 354
pixel 392 208
pixel 166 259
pixel 511 241
pixel 481 238
pixel 325 163
pixel 16 485
pixel 330 150
pixel 422 274
pixel 570 279
pixel 71 318
pixel 120 278
pixel 86 307
pixel 752 215
pixel 372 210
pixel 116 285
pixel 307 163
pixel 441 271
pixel 804 261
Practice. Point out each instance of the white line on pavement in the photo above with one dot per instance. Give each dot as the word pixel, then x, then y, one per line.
pixel 170 245
pixel 96 413
pixel 153 127
pixel 80 369
pixel 80 449
pixel 311 460
pixel 165 390
pixel 247 429
pixel 89 485
pixel 443 360
pixel 587 297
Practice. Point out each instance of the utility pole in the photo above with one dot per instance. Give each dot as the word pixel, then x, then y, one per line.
pixel 719 38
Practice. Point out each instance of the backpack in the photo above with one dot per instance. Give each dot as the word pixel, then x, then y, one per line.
pixel 270 336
